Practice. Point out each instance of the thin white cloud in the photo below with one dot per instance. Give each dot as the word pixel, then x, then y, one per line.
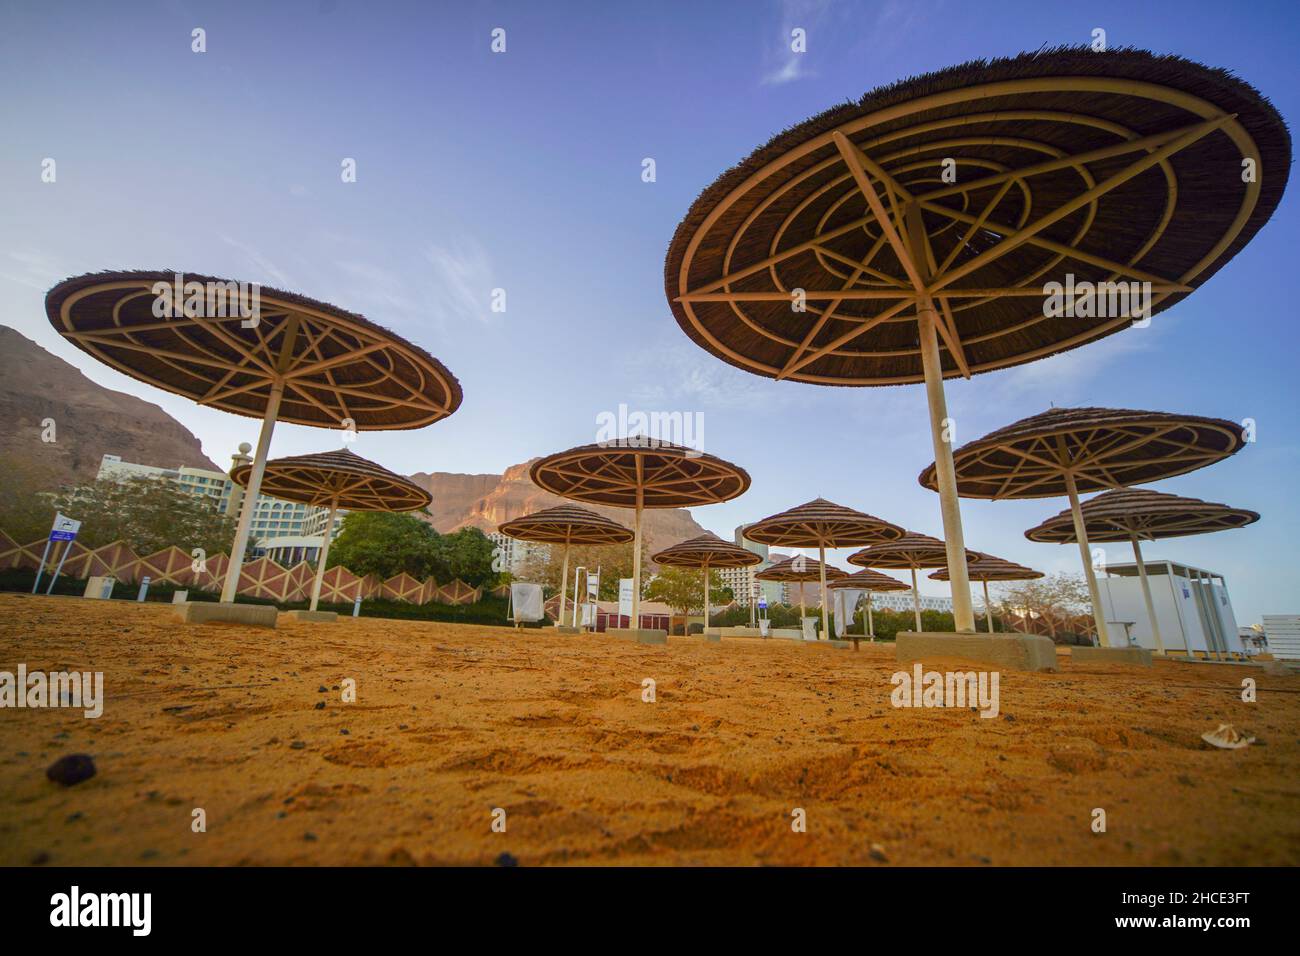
pixel 33 269
pixel 462 276
pixel 260 262
pixel 785 65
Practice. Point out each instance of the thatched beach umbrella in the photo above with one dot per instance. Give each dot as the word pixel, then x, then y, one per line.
pixel 913 552
pixel 253 351
pixel 639 473
pixel 911 235
pixel 335 479
pixel 566 525
pixel 1130 514
pixel 985 568
pixel 800 570
pixel 1067 451
pixel 706 552
pixel 869 581
pixel 822 524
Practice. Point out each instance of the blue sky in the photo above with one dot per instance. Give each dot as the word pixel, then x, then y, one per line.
pixel 522 171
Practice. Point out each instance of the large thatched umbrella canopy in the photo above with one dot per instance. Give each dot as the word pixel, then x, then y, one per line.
pixel 567 525
pixel 335 479
pixel 912 552
pixel 639 473
pixel 910 235
pixel 985 568
pixel 707 551
pixel 253 351
pixel 800 570
pixel 1130 514
pixel 869 581
pixel 822 524
pixel 1072 450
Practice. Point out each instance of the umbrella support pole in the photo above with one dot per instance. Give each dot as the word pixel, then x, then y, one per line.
pixel 1146 593
pixel 871 621
pixel 564 583
pixel 636 560
pixel 324 555
pixel 706 600
pixel 988 608
pixel 1085 551
pixel 821 558
pixel 954 541
pixel 251 494
pixel 916 603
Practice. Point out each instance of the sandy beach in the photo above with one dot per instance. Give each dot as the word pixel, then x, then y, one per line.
pixel 452 722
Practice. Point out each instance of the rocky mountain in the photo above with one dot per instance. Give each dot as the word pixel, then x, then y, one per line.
pixel 89 420
pixel 485 501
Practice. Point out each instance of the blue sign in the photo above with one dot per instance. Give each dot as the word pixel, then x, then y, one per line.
pixel 62 535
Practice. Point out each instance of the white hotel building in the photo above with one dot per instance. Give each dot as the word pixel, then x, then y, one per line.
pixel 288 530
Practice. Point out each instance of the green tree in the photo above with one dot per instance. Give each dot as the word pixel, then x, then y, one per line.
pixel 613 560
pixel 386 544
pixel 147 513
pixel 682 589
pixel 26 507
pixel 465 555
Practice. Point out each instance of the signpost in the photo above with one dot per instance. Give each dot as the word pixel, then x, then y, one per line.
pixel 625 589
pixel 64 529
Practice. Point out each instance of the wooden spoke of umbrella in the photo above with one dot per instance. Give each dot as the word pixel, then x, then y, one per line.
pixel 340 478
pixel 1097 448
pixel 296 344
pixel 890 154
pixel 1123 514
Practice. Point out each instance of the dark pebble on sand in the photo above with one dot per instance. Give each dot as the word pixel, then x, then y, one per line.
pixel 40 858
pixel 298 745
pixel 71 769
pixel 320 705
pixel 505 859
pixel 321 689
pixel 309 837
pixel 343 730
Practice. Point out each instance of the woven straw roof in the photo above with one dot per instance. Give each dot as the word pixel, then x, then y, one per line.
pixel 1121 165
pixel 1104 447
pixel 706 550
pixel 870 580
pixel 669 476
pixel 566 524
pixel 1113 515
pixel 336 365
pixel 358 483
pixel 788 570
pixel 986 567
pixel 822 523
pixel 910 551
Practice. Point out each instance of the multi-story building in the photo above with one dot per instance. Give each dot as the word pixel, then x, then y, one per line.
pixel 902 601
pixel 273 518
pixel 514 552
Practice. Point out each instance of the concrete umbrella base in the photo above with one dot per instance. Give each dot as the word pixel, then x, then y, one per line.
pixel 1023 652
pixel 209 612
pixel 1137 656
pixel 315 617
pixel 566 629
pixel 642 635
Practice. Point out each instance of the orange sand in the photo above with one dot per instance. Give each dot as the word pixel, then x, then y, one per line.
pixel 453 721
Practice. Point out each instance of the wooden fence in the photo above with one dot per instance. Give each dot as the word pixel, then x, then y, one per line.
pixel 260 578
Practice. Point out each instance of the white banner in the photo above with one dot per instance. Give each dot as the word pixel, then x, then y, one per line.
pixel 625 599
